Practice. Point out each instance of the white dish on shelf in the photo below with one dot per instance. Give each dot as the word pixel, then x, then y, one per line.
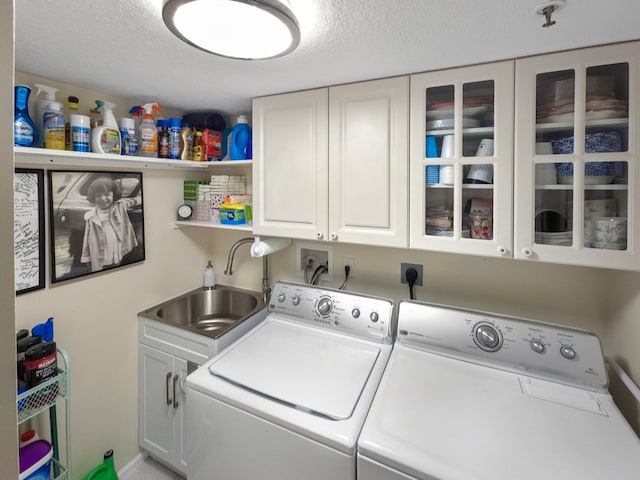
pixel 605 114
pixel 446 123
pixel 560 118
pixel 588 180
pixel 447 112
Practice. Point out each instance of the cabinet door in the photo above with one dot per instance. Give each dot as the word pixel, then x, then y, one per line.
pixel 290 169
pixel 461 160
pixel 576 142
pixel 368 155
pixel 156 412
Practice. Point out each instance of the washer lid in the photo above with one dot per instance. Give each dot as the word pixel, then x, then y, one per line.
pixel 310 369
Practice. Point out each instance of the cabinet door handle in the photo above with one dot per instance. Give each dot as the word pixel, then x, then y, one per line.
pixel 502 250
pixel 526 252
pixel 169 401
pixel 319 235
pixel 334 236
pixel 175 398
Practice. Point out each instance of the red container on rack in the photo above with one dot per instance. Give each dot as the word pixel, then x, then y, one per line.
pixel 211 145
pixel 40 365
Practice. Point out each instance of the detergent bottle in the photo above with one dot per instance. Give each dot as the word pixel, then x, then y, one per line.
pixel 42 105
pixel 25 132
pixel 148 138
pixel 53 126
pixel 240 140
pixel 104 471
pixel 106 137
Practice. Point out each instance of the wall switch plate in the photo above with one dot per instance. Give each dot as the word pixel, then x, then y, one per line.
pixel 403 272
pixel 310 256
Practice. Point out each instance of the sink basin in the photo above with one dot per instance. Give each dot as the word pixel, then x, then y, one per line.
pixel 208 312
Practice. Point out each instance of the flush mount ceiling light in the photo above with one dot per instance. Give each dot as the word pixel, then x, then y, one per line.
pixel 243 29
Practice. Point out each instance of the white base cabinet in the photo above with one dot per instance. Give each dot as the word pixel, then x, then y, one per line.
pixel 331 164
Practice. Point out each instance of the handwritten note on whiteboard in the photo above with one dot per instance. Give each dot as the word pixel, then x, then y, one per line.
pixel 28 227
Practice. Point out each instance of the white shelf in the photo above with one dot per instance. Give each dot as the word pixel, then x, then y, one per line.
pixel 200 224
pixel 589 124
pixel 64 158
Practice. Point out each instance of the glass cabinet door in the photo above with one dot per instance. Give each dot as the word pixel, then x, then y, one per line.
pixel 581 156
pixel 459 161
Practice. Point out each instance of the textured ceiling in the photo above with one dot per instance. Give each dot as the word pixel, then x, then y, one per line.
pixel 122 46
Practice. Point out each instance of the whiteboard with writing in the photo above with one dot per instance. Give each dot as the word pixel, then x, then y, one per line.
pixel 28 227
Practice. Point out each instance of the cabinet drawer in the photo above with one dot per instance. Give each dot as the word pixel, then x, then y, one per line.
pixel 176 341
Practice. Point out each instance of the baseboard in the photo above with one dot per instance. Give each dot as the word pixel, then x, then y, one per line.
pixel 131 466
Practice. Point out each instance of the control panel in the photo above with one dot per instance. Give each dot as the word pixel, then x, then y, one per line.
pixel 346 312
pixel 526 346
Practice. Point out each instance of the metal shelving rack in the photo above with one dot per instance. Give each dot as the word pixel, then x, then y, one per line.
pixel 47 396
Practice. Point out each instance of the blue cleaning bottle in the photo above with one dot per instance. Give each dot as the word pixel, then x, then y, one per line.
pixel 24 130
pixel 240 139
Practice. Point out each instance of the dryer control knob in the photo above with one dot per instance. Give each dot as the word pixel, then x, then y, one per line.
pixel 296 300
pixel 567 352
pixel 282 297
pixel 374 317
pixel 487 337
pixel 537 346
pixel 355 313
pixel 325 306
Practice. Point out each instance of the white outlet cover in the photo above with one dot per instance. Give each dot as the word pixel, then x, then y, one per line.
pixel 325 277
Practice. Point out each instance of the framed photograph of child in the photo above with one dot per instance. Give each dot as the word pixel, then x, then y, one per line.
pixel 97 222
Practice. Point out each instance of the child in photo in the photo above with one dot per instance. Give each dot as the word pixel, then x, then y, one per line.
pixel 108 234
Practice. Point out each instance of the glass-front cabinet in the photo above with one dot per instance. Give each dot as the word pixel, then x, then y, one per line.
pixel 576 157
pixel 461 160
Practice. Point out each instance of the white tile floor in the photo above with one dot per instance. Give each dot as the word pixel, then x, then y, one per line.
pixel 149 469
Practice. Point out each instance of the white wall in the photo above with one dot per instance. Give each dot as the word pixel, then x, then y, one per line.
pixel 8 419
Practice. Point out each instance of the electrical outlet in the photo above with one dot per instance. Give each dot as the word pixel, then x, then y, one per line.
pixel 348 262
pixel 310 256
pixel 403 272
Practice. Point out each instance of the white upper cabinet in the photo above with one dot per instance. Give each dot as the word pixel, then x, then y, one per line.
pixel 576 151
pixel 461 160
pixel 290 164
pixel 331 164
pixel 368 156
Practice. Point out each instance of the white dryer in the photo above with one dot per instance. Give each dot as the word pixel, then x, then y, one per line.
pixel 476 396
pixel 287 401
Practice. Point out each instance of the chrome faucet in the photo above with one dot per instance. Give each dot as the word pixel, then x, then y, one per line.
pixel 232 253
pixel 266 289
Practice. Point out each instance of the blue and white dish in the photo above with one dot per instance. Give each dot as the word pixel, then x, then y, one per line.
pixel 594 143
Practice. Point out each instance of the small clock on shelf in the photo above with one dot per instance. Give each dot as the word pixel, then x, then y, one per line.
pixel 185 212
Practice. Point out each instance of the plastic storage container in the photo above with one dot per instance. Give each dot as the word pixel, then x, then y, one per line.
pixel 240 140
pixel 35 460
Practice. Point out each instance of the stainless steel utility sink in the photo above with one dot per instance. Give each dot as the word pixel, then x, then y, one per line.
pixel 208 312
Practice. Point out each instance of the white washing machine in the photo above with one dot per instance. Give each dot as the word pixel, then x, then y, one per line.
pixel 287 400
pixel 475 396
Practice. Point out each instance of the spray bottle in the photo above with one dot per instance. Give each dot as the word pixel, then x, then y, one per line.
pixel 42 105
pixel 106 138
pixel 148 131
pixel 25 132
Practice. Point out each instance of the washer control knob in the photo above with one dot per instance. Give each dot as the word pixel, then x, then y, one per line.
pixel 355 313
pixel 537 346
pixel 325 306
pixel 374 317
pixel 296 300
pixel 282 297
pixel 567 352
pixel 487 337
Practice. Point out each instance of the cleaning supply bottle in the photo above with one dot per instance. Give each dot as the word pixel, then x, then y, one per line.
pixel 25 133
pixel 186 142
pixel 53 126
pixel 240 138
pixel 163 138
pixel 128 136
pixel 209 277
pixel 148 131
pixel 41 107
pixel 96 114
pixel 105 471
pixel 175 124
pixel 72 109
pixel 106 137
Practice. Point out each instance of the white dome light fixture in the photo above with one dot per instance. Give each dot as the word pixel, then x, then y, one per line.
pixel 241 29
